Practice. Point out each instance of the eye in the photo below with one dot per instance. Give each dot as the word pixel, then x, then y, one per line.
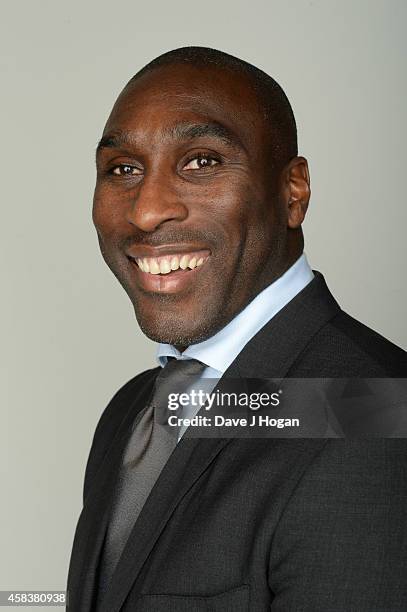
pixel 201 162
pixel 126 170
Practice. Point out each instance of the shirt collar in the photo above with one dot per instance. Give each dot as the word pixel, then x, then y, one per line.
pixel 219 351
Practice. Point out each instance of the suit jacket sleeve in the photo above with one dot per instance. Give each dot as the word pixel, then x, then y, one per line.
pixel 341 543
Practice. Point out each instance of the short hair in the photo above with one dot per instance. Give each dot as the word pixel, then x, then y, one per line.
pixel 274 103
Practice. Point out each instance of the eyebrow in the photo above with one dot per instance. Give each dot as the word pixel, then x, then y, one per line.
pixel 188 131
pixel 180 132
pixel 113 141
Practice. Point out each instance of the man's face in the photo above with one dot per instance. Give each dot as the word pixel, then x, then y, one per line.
pixel 186 203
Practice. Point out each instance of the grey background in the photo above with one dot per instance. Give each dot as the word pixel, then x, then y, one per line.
pixel 68 335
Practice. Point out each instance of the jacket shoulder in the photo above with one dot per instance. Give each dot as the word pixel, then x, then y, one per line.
pixel 111 419
pixel 346 347
pixel 117 407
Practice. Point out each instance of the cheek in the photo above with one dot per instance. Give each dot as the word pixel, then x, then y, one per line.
pixel 107 215
pixel 99 209
pixel 230 209
pixel 260 231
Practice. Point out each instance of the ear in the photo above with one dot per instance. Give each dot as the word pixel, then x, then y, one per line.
pixel 297 191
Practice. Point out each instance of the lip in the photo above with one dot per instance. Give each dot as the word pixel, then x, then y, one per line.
pixel 174 282
pixel 165 249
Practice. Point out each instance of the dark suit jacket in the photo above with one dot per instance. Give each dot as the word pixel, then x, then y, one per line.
pixel 270 524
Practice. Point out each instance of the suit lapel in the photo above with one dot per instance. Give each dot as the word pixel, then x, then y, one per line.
pixel 269 354
pixel 93 519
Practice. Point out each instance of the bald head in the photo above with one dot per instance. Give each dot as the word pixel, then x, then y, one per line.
pixel 273 102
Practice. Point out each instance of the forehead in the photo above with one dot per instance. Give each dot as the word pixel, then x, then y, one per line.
pixel 159 100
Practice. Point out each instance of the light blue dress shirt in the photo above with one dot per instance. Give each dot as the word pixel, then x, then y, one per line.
pixel 219 351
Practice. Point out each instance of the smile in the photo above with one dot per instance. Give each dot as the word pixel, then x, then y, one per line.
pixel 170 269
pixel 166 264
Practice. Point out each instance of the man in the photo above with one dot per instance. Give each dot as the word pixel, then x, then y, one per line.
pixel 198 206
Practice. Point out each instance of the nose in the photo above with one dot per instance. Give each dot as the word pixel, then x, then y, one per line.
pixel 155 203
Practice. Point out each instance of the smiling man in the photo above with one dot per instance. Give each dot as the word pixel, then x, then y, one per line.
pixel 187 169
pixel 198 207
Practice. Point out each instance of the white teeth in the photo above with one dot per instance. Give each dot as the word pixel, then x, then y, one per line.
pixel 183 264
pixel 154 267
pixel 146 267
pixel 165 266
pixel 175 263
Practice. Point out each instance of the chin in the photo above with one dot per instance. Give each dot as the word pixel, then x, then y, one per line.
pixel 174 329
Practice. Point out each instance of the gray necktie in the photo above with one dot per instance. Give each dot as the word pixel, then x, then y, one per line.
pixel 151 443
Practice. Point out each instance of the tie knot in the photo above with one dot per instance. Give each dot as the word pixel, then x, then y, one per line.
pixel 175 377
pixel 181 367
